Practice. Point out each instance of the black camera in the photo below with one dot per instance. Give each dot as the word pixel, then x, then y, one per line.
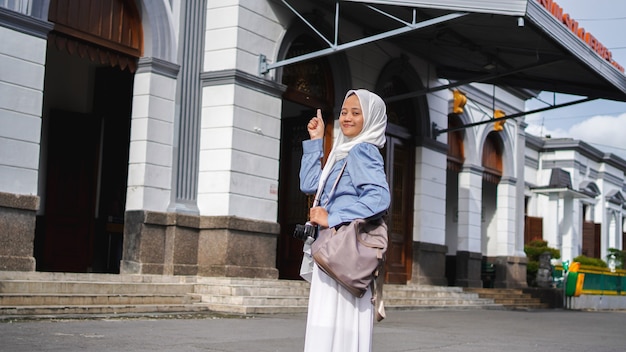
pixel 305 231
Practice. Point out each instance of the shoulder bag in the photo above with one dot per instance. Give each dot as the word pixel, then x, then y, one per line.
pixel 354 256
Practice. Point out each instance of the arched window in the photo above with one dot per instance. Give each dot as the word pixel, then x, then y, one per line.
pixel 492 158
pixel 308 82
pixel 456 151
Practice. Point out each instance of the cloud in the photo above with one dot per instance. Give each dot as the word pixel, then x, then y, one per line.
pixel 537 128
pixel 602 131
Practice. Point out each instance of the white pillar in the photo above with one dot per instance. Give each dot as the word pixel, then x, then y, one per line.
pixel 506 214
pixel 470 201
pixel 430 197
pixel 22 68
pixel 239 153
pixel 151 140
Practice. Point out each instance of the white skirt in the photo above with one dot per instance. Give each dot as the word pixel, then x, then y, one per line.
pixel 337 321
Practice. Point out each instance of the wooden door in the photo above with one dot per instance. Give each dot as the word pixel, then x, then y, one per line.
pixel 293 205
pixel 70 191
pixel 399 163
pixel 533 229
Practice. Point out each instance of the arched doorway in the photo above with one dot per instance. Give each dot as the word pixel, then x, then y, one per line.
pixel 492 165
pixel 310 86
pixel 91 57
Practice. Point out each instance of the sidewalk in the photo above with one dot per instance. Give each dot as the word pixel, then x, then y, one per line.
pixel 402 331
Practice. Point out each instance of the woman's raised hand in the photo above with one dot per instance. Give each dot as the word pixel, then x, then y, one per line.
pixel 316 126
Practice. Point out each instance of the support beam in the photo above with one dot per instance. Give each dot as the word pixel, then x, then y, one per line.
pixel 265 67
pixel 436 131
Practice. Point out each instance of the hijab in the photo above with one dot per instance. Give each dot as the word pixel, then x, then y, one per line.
pixel 374 125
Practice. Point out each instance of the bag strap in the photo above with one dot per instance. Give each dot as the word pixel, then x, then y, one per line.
pixel 316 201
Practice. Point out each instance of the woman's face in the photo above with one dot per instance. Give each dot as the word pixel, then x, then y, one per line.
pixel 351 118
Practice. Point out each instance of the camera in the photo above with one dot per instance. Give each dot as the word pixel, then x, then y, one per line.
pixel 302 232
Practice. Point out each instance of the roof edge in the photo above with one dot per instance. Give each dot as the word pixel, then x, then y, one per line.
pixel 508 8
pixel 558 32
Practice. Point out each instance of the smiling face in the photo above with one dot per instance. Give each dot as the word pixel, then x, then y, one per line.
pixel 351 117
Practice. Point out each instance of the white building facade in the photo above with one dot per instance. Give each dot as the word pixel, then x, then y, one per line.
pixel 577 193
pixel 164 137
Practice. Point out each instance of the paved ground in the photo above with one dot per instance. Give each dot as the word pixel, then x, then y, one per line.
pixel 426 330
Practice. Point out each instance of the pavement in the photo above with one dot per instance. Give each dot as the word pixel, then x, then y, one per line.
pixel 402 331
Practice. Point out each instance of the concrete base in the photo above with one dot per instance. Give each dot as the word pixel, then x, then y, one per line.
pixel 510 271
pixel 596 302
pixel 468 267
pixel 178 244
pixel 429 264
pixel 17 231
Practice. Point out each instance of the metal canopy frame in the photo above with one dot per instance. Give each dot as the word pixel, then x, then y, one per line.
pixel 406 27
pixel 333 47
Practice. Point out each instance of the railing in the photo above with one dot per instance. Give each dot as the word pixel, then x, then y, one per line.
pixel 597 281
pixel 603 282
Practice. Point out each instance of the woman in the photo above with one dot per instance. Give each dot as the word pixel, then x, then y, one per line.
pixel 337 320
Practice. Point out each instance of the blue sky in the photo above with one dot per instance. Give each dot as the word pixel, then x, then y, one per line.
pixel 601 123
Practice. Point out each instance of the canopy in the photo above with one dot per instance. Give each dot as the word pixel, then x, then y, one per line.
pixel 516 43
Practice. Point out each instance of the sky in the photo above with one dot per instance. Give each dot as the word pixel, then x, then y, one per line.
pixel 601 123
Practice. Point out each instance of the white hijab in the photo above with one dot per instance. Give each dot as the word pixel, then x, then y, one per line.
pixel 374 125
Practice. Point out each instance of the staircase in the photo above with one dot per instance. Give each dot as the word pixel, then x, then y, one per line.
pixel 404 297
pixel 509 298
pixel 257 296
pixel 36 293
pixel 42 294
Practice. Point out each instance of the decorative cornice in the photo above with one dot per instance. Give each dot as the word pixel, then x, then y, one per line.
pixel 474 169
pixel 243 79
pixel 512 181
pixel 25 24
pixel 204 222
pixel 564 164
pixel 431 144
pixel 533 142
pixel 585 149
pixel 531 162
pixel 158 66
pixel 608 177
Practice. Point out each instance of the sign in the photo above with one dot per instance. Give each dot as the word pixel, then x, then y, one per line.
pixel 580 32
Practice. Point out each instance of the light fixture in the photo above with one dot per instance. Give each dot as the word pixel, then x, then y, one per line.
pixel 459 102
pixel 498 125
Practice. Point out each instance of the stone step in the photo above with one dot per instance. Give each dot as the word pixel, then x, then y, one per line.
pixel 36 293
pixel 251 310
pixel 85 287
pixel 9 312
pixel 248 290
pixel 391 293
pixel 510 298
pixel 92 277
pixel 45 299
pixel 257 300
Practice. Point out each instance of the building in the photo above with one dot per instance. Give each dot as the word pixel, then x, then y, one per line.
pixel 575 197
pixel 163 137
